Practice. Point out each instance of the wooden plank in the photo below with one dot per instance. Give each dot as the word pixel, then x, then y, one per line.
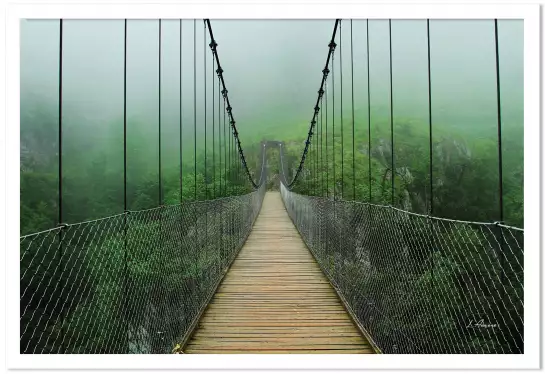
pixel 275 298
pixel 292 351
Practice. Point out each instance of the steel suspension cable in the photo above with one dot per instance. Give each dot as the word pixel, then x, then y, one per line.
pixel 326 142
pixel 322 147
pixel 353 131
pixel 205 176
pixel 430 209
pixel 500 234
pixel 219 139
pixel 368 114
pixel 125 211
pixel 213 132
pixel 498 98
pixel 225 153
pixel 325 72
pixel 125 119
pixel 333 126
pixel 159 121
pixel 195 109
pixel 213 45
pixel 313 164
pixel 316 147
pixel 237 162
pixel 342 135
pixel 430 119
pixel 161 226
pixel 205 122
pixel 391 112
pixel 61 223
pixel 230 164
pixel 180 113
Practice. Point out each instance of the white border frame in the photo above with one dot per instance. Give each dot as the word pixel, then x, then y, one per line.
pixel 529 12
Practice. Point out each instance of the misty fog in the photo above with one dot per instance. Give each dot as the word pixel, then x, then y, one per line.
pixel 272 70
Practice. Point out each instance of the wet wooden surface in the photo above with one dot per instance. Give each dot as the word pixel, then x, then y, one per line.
pixel 275 299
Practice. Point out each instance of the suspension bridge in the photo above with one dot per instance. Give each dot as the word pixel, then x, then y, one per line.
pixel 272 270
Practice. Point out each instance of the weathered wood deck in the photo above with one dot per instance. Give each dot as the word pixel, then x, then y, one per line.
pixel 275 299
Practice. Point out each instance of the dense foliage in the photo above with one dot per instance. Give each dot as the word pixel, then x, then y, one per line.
pixel 465 168
pixel 465 179
pixel 418 284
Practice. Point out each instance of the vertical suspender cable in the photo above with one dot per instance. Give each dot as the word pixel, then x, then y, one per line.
pixel 316 148
pixel 222 245
pixel 195 143
pixel 180 212
pixel 195 109
pixel 205 139
pixel 126 293
pixel 161 321
pixel 213 132
pixel 391 112
pixel 326 144
pixel 368 114
pixel 219 137
pixel 353 133
pixel 60 180
pixel 333 126
pixel 225 153
pixel 125 121
pixel 60 120
pixel 230 161
pixel 160 178
pixel 342 135
pixel 430 119
pixel 500 233
pixel 181 145
pixel 321 237
pixel 430 210
pixel 313 145
pixel 322 146
pixel 498 97
pixel 239 168
pixel 236 160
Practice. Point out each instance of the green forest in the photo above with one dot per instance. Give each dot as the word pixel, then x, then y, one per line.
pixel 190 204
pixel 465 169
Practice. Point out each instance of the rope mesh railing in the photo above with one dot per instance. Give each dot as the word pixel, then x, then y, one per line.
pixel 415 283
pixel 137 282
pixel 130 283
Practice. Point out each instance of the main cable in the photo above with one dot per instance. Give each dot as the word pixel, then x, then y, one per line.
pixel 325 72
pixel 213 45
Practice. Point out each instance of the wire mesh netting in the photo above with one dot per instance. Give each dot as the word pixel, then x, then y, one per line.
pixel 130 283
pixel 415 283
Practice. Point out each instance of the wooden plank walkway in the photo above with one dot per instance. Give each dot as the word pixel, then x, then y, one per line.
pixel 275 299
